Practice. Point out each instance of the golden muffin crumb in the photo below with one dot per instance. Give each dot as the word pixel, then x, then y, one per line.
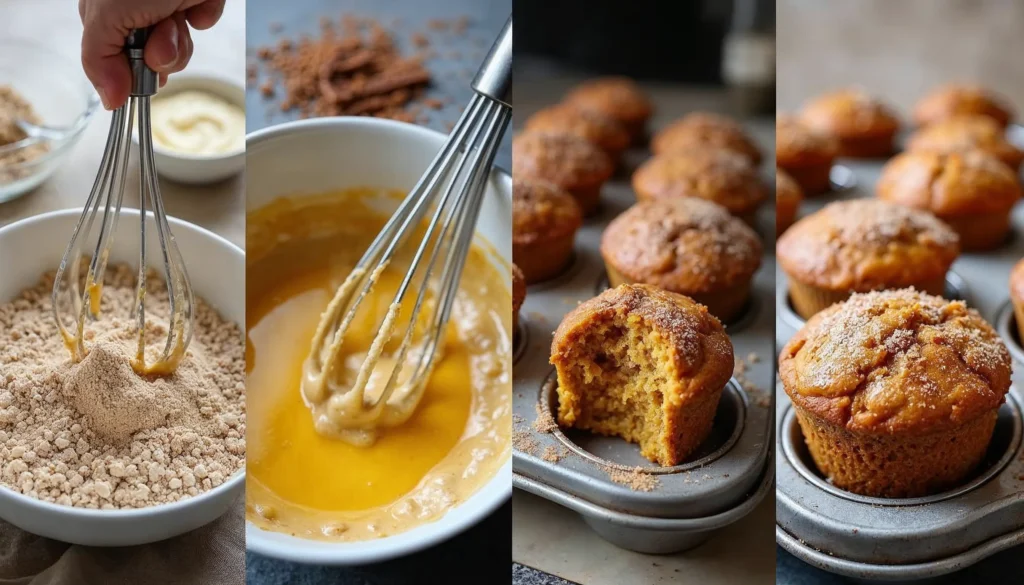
pixel 643 364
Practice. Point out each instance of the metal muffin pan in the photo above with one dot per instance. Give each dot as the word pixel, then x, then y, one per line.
pixel 897 539
pixel 728 476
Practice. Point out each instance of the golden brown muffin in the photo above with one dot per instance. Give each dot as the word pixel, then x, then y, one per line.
pixel 806 154
pixel 643 364
pixel 896 392
pixel 618 98
pixel 685 245
pixel 544 223
pixel 518 296
pixel 598 129
pixel 720 176
pixel 972 192
pixel 787 200
pixel 964 134
pixel 864 126
pixel 705 130
pixel 958 99
pixel 569 162
pixel 1017 296
pixel 862 245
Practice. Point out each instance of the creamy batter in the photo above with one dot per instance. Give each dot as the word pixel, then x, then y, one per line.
pixel 304 482
pixel 197 123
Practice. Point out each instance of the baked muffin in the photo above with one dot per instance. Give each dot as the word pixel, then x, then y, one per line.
pixel 643 364
pixel 862 245
pixel 684 245
pixel 720 176
pixel 570 162
pixel 1017 296
pixel 544 223
pixel 518 296
pixel 959 99
pixel 602 131
pixel 972 192
pixel 864 126
pixel 896 392
pixel 705 130
pixel 966 133
pixel 788 196
pixel 618 98
pixel 806 154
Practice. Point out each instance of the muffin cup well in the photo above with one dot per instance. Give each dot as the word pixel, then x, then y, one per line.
pixel 880 146
pixel 982 231
pixel 545 258
pixel 808 299
pixel 896 466
pixel 726 304
pixel 813 179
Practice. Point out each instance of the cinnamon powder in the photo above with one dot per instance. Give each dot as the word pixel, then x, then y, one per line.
pixel 95 434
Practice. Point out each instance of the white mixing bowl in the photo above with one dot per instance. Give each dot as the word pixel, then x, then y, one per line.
pixel 326 154
pixel 29 248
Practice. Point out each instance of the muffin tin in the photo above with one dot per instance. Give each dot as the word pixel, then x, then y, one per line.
pixel 732 470
pixel 907 539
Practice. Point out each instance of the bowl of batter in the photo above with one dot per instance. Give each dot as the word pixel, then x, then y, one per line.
pixel 318 191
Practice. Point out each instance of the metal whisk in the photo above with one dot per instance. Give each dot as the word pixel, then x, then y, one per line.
pixel 453 187
pixel 76 300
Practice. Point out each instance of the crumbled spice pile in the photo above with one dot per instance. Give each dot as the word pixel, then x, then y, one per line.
pixel 354 68
pixel 14 107
pixel 94 434
pixel 635 479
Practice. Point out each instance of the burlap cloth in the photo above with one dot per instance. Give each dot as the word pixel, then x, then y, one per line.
pixel 211 555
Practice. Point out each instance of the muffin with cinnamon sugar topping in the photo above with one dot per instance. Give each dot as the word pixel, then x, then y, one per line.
pixel 706 130
pixel 569 162
pixel 961 99
pixel 619 98
pixel 863 125
pixel 973 192
pixel 685 245
pixel 964 134
pixel 720 176
pixel 643 364
pixel 544 223
pixel 806 154
pixel 604 132
pixel 896 392
pixel 862 245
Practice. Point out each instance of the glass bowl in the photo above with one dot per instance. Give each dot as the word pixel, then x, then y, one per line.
pixel 62 97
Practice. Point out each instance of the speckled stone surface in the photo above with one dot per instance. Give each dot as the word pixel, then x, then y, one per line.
pixel 523 575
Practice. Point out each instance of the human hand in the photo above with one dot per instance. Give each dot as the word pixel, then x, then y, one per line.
pixel 168 50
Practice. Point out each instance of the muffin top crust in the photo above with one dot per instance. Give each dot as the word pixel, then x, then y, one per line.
pixel 697 345
pixel 706 130
pixel 540 210
pixel 966 133
pixel 599 129
pixel 849 113
pixel 796 144
pixel 720 176
pixel 565 160
pixel 949 184
pixel 958 99
pixel 867 244
pixel 896 362
pixel 688 245
pixel 617 97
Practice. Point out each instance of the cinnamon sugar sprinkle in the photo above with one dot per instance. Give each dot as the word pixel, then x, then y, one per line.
pixel 635 479
pixel 758 395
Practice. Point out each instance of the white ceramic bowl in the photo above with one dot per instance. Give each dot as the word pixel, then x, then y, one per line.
pixel 216 267
pixel 314 156
pixel 196 169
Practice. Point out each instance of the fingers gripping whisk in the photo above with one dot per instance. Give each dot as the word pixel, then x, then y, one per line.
pixel 77 296
pixel 351 401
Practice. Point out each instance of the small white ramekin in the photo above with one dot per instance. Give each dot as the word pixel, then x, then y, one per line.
pixel 216 267
pixel 326 154
pixel 198 169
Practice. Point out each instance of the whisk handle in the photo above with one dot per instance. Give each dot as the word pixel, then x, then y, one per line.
pixel 494 79
pixel 144 79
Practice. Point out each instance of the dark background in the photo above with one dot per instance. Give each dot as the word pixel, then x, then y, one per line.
pixel 650 40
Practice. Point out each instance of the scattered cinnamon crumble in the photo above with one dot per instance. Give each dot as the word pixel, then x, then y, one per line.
pixel 553 454
pixel 759 396
pixel 544 423
pixel 635 479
